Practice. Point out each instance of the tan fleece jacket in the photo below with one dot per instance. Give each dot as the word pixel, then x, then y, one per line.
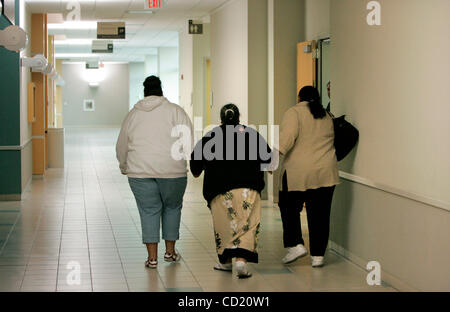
pixel 308 145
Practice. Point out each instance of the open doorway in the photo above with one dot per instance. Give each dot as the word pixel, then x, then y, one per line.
pixel 323 72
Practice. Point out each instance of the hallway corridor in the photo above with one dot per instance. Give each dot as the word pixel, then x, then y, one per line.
pixel 86 213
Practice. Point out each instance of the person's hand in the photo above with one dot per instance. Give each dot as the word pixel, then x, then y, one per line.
pixel 270 172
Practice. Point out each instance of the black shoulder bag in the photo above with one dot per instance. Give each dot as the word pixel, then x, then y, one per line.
pixel 345 136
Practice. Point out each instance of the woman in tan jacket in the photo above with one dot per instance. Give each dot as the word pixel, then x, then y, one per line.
pixel 309 175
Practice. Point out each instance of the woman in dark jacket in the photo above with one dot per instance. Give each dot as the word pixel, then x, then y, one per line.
pixel 234 158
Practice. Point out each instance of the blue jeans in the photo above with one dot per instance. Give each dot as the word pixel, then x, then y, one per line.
pixel 159 199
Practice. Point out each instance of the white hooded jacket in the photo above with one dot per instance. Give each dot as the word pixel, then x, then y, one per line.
pixel 149 136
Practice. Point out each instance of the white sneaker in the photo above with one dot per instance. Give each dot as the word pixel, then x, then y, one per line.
pixel 317 262
pixel 294 253
pixel 241 269
pixel 224 267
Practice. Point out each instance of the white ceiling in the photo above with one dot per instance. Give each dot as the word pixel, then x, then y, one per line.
pixel 144 32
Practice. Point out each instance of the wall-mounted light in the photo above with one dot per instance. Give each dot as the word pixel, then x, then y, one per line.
pixel 38 63
pixel 13 38
pixel 94 76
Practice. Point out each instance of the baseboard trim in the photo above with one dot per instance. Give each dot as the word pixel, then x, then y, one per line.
pixel 385 276
pixel 10 197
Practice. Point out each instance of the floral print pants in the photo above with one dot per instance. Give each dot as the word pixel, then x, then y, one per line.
pixel 236 218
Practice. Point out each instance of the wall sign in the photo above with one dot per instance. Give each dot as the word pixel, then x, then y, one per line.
pixel 110 30
pixel 89 105
pixel 92 64
pixel 153 4
pixel 102 46
pixel 195 29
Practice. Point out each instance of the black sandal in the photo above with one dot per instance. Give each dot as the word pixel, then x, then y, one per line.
pixel 151 263
pixel 172 257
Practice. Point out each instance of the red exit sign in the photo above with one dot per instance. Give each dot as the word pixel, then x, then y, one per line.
pixel 154 4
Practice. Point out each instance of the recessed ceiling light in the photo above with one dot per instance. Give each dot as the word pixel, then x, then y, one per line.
pixel 74 42
pixel 55 18
pixel 140 12
pixel 74 25
pixel 60 37
pixel 76 55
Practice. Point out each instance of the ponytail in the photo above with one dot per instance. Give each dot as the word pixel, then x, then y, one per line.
pixel 311 95
pixel 316 109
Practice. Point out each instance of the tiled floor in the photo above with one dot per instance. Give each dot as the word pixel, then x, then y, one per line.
pixel 85 218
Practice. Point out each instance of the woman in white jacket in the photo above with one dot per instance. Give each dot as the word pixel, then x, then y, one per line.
pixel 147 153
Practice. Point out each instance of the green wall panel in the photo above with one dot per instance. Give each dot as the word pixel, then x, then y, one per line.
pixel 9 94
pixel 10 164
pixel 10 168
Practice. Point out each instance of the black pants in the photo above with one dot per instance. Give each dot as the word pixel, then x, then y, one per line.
pixel 318 207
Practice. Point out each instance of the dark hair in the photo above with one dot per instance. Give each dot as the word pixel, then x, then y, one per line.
pixel 311 95
pixel 152 86
pixel 229 115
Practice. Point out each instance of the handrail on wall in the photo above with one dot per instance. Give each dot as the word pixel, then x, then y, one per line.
pixel 396 191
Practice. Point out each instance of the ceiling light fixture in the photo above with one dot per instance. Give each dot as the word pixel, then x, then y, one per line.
pixel 74 25
pixel 140 12
pixel 76 55
pixel 74 42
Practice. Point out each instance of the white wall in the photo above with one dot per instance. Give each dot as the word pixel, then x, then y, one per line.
pixel 186 71
pixel 317 19
pixel 165 65
pixel 239 56
pixel 257 62
pixel 392 83
pixel 229 58
pixel 137 78
pixel 201 52
pixel 111 97
pixel 168 73
pixel 151 65
pixel 286 29
pixel 317 26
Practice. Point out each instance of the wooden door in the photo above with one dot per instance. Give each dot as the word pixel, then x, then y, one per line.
pixel 306 64
pixel 46 80
pixel 39 127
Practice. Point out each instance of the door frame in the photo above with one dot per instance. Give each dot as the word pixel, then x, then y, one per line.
pixel 320 63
